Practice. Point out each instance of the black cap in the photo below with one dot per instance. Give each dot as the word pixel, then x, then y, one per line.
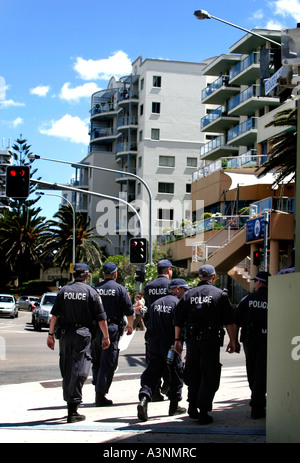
pixel 262 276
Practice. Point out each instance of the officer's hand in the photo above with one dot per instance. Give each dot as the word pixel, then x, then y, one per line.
pixel 50 342
pixel 129 329
pixel 237 347
pixel 178 347
pixel 105 343
pixel 231 348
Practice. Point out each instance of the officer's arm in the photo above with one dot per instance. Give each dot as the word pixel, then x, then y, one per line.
pixel 129 327
pixel 50 338
pixel 178 343
pixel 231 347
pixel 105 338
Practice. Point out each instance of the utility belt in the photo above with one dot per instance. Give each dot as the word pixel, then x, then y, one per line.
pixel 121 324
pixel 62 328
pixel 204 333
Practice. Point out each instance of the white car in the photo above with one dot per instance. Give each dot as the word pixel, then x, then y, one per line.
pixel 41 314
pixel 8 305
pixel 27 302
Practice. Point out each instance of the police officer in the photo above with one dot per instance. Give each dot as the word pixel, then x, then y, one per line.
pixel 251 315
pixel 76 307
pixel 161 325
pixel 201 313
pixel 154 290
pixel 117 304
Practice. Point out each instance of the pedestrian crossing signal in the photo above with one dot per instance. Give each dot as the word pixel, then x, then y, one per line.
pixel 138 251
pixel 256 258
pixel 17 182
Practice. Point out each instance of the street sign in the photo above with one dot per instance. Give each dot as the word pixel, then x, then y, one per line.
pixel 285 73
pixel 255 229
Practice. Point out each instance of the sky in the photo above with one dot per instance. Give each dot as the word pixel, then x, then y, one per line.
pixel 54 54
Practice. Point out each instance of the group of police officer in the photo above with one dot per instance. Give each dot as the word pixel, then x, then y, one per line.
pixel 90 321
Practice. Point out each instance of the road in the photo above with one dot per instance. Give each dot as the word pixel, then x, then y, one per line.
pixel 25 357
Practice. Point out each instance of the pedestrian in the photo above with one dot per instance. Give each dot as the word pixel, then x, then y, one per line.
pixel 76 307
pixel 138 306
pixel 251 316
pixel 117 305
pixel 161 323
pixel 201 314
pixel 154 290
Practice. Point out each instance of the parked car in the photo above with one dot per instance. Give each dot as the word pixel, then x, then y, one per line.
pixel 8 305
pixel 27 302
pixel 41 314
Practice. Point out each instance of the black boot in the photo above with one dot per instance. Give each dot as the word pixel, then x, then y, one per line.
pixel 142 409
pixel 175 410
pixel 205 418
pixel 102 401
pixel 73 416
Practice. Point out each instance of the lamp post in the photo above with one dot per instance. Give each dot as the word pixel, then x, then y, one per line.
pixel 129 174
pixel 203 14
pixel 74 219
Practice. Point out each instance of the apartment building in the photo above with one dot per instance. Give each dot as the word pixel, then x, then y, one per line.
pixel 226 180
pixel 145 124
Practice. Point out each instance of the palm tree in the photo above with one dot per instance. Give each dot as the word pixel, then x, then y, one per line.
pixel 22 237
pixel 60 243
pixel 282 160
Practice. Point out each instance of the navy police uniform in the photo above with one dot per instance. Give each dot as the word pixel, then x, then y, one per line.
pixel 252 316
pixel 161 325
pixel 117 304
pixel 77 307
pixel 201 314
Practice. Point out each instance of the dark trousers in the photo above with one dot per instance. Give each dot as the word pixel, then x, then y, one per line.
pixel 74 362
pixel 105 362
pixel 256 365
pixel 157 364
pixel 202 372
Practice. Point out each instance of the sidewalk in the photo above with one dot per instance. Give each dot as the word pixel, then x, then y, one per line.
pixel 36 413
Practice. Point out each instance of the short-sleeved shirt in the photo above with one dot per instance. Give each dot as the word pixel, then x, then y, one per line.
pixel 78 303
pixel 156 289
pixel 206 306
pixel 252 314
pixel 115 300
pixel 161 316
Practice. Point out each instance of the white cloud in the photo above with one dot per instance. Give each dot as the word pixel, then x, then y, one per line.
pixel 68 127
pixel 40 90
pixel 116 65
pixel 82 91
pixel 8 103
pixel 288 8
pixel 18 121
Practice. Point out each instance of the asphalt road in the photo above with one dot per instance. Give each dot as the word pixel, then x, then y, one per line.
pixel 25 357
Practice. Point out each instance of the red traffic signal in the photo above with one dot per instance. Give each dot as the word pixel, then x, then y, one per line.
pixel 256 258
pixel 17 182
pixel 138 251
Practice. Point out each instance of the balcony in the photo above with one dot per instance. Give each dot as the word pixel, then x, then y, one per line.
pixel 217 121
pixel 219 91
pixel 246 71
pixel 248 101
pixel 217 148
pixel 104 134
pixel 127 122
pixel 126 148
pixel 244 134
pixel 104 110
pixel 128 96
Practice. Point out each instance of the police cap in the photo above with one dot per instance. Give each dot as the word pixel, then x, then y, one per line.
pixel 179 282
pixel 80 268
pixel 165 263
pixel 109 268
pixel 262 276
pixel 206 271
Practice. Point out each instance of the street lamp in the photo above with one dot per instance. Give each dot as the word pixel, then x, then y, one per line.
pixel 129 174
pixel 203 14
pixel 74 219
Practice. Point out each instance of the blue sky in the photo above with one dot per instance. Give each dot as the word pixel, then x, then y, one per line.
pixel 55 54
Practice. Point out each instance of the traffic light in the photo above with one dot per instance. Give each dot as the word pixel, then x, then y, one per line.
pixel 140 275
pixel 138 251
pixel 17 182
pixel 256 258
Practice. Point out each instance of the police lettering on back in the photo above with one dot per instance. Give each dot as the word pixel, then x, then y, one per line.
pixel 158 291
pixel 75 296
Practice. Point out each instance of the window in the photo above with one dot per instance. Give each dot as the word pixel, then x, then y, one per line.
pixel 141 109
pixel 154 134
pixel 167 161
pixel 142 83
pixel 191 162
pixel 156 107
pixel 165 214
pixel 140 135
pixel 166 188
pixel 139 162
pixel 156 81
pixel 188 188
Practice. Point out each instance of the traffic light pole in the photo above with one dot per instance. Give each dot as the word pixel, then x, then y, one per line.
pixel 129 174
pixel 91 193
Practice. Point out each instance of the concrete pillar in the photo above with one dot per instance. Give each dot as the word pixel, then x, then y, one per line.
pixel 274 257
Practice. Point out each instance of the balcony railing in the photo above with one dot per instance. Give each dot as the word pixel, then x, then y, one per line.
pixel 242 128
pixel 126 146
pixel 103 132
pixel 218 83
pixel 127 120
pixel 243 96
pixel 103 108
pixel 251 59
pixel 211 116
pixel 213 144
